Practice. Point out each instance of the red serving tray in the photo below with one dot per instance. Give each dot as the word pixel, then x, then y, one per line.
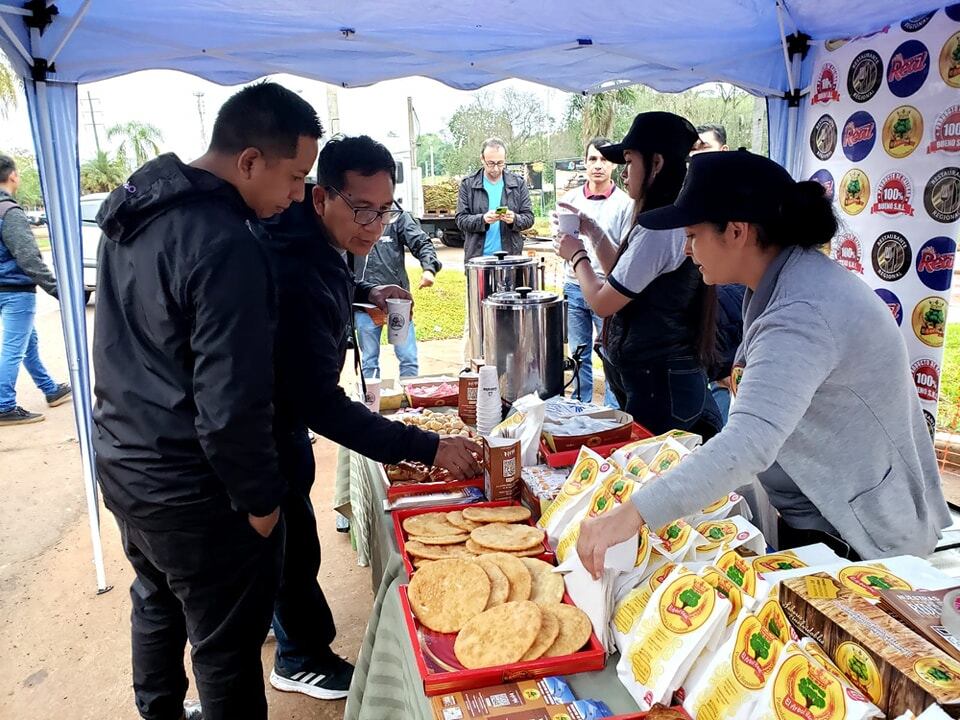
pixel 417 401
pixel 437 681
pixel 398 491
pixel 400 515
pixel 564 458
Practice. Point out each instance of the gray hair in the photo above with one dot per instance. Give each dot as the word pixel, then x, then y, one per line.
pixel 492 142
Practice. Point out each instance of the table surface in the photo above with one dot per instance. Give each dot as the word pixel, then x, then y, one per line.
pixel 386 683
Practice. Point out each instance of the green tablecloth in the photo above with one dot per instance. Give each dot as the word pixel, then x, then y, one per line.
pixel 386 683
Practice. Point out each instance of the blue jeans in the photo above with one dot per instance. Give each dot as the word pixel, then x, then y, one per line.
pixel 17 310
pixel 369 334
pixel 581 324
pixel 722 396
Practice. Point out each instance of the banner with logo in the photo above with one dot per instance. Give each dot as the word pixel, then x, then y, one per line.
pixel 882 131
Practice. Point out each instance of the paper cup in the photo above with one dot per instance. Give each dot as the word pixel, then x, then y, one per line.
pixel 372 397
pixel 398 320
pixel 569 223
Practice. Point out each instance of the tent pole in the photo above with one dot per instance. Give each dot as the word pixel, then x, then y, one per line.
pixel 69 33
pixel 15 41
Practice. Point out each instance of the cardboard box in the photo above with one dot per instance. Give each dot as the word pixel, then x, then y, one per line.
pixel 448 399
pixel 467 400
pixel 896 668
pixel 545 699
pixel 501 469
pixel 540 487
pixel 622 432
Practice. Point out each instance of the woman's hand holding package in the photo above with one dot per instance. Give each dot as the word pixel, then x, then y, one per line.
pixel 599 534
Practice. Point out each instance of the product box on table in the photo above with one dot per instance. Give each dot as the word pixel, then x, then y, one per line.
pixel 398 490
pixel 433 391
pixel 545 699
pixel 501 468
pixel 566 458
pixel 541 485
pixel 893 666
pixel 442 673
pixel 401 535
pixel 557 442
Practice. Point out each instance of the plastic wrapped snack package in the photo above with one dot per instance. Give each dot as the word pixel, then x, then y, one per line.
pixel 589 474
pixel 525 424
pixel 678 540
pixel 871 688
pixel 681 618
pixel 730 533
pixel 615 491
pixel 629 608
pixel 730 504
pixel 740 570
pixel 650 458
pixel 774 620
pixel 728 683
pixel 739 600
pixel 801 687
pixel 648 560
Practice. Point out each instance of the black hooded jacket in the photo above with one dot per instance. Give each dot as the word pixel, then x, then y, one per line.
pixel 316 292
pixel 183 352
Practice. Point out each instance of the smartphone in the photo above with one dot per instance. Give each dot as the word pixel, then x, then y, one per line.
pixel 502 210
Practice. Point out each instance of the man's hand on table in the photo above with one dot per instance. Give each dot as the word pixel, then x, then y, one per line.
pixel 460 457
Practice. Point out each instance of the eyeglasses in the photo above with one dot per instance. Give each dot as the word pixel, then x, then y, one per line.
pixel 491 164
pixel 368 216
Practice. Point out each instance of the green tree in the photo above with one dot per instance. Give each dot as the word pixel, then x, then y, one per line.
pixel 432 148
pixel 715 533
pixel 774 628
pixel 673 532
pixel 102 174
pixel 138 141
pixel 9 89
pixel 938 675
pixel 735 574
pixel 815 695
pixel 598 111
pixel 28 194
pixel 689 598
pixel 878 582
pixel 760 646
pixel 859 668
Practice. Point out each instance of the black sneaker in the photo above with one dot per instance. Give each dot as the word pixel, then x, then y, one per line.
pixel 331 682
pixel 19 416
pixel 61 395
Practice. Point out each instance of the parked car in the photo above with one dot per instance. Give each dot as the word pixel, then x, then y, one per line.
pixel 37 217
pixel 90 239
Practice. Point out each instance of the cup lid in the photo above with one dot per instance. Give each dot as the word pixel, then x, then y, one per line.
pixel 522 296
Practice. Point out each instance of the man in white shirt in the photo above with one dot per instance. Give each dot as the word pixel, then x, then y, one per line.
pixel 612 208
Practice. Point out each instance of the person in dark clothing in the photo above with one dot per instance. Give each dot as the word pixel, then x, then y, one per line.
pixel 309 246
pixel 184 422
pixel 21 271
pixel 729 336
pixel 659 331
pixel 385 266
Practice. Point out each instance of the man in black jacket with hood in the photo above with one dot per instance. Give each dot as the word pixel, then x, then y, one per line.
pixel 183 359
pixel 344 215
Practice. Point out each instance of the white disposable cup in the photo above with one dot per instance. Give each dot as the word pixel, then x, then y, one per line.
pixel 372 397
pixel 398 320
pixel 569 223
pixel 488 376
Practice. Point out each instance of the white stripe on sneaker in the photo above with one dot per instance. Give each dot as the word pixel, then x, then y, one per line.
pixel 298 675
pixel 318 679
pixel 287 685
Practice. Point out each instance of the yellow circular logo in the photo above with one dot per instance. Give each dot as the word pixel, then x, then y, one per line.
pixel 774 621
pixel 583 475
pixel 941 673
pixel 665 460
pixel 854 192
pixel 637 467
pixel 950 61
pixel 860 669
pixel 804 690
pixel 613 492
pixel 739 570
pixel 867 581
pixel 755 654
pixel 716 532
pixel 777 562
pixel 930 320
pixel 727 590
pixel 903 131
pixel 675 535
pixel 531 693
pixel 686 604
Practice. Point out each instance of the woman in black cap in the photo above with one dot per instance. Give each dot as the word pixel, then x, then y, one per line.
pixel 659 329
pixel 827 415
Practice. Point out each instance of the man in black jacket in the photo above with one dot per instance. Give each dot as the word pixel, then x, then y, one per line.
pixel 183 359
pixel 385 266
pixel 309 246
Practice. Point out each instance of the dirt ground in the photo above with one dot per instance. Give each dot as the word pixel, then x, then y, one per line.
pixel 64 650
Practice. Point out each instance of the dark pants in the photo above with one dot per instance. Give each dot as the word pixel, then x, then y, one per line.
pixel 302 619
pixel 669 395
pixel 790 537
pixel 214 584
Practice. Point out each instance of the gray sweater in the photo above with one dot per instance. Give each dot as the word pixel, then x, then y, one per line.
pixel 17 235
pixel 827 394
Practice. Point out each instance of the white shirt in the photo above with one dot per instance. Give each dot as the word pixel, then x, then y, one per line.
pixel 613 214
pixel 649 254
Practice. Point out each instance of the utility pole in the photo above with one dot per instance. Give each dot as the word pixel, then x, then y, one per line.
pixel 93 121
pixel 411 130
pixel 201 111
pixel 333 110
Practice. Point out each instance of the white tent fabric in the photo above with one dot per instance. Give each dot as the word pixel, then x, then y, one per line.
pixel 568 44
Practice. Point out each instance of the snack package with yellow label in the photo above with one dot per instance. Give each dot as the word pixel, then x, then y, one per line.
pixel 650 458
pixel 678 541
pixel 800 687
pixel 856 665
pixel 649 559
pixel 730 504
pixel 615 491
pixel 589 474
pixel 682 617
pixel 741 571
pixel 730 533
pixel 729 590
pixel 525 424
pixel 727 684
pixel 630 606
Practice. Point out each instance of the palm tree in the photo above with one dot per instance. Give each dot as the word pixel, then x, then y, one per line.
pixel 102 173
pixel 139 139
pixel 598 111
pixel 9 84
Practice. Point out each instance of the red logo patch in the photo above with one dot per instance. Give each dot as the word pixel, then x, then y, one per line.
pixel 893 195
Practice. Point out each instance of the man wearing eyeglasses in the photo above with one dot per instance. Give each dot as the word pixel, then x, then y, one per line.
pixel 310 245
pixel 493 206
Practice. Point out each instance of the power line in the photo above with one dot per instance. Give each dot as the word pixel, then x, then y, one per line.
pixel 201 110
pixel 93 120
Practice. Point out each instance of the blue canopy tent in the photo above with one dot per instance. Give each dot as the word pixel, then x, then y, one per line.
pixel 567 44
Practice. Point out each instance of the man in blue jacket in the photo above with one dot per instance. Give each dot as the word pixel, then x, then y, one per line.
pixel 21 270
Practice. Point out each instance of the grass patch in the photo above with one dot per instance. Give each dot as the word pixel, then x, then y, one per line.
pixel 950 379
pixel 43 238
pixel 439 311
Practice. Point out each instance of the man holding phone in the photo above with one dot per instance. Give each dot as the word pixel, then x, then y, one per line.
pixel 493 207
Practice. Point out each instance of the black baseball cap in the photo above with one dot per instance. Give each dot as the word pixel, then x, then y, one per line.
pixel 660 132
pixel 724 186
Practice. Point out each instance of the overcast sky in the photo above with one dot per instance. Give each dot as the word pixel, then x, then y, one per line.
pixel 166 99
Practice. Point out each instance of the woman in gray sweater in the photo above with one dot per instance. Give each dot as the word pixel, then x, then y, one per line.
pixel 826 413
